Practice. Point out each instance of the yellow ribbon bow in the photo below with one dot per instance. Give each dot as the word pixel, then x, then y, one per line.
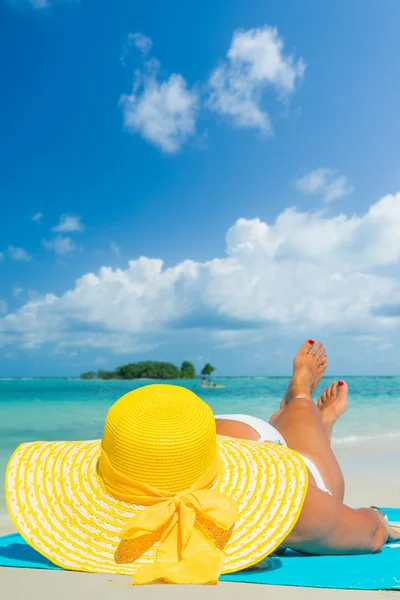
pixel 185 554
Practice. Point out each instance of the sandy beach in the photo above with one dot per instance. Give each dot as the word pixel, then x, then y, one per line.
pixel 372 476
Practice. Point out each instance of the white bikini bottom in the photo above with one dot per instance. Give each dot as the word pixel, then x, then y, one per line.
pixel 269 434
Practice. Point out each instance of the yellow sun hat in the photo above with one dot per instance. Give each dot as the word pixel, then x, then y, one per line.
pixel 160 497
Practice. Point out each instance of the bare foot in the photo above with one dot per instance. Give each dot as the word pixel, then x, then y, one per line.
pixel 309 365
pixel 332 404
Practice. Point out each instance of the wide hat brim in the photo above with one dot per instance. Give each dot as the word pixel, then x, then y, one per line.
pixel 58 504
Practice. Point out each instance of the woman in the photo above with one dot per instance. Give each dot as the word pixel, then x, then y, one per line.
pixel 326 525
pixel 164 498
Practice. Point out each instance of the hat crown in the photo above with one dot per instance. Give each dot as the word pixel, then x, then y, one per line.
pixel 161 435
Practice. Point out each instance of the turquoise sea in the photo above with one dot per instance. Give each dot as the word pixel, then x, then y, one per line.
pixel 54 409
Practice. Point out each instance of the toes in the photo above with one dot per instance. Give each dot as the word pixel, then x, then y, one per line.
pixel 342 400
pixel 342 388
pixel 334 387
pixel 314 351
pixel 322 358
pixel 322 369
pixel 308 344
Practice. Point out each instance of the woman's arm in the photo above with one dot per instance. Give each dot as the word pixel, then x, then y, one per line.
pixel 326 526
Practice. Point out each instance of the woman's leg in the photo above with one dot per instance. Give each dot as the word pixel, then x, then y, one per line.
pixel 307 428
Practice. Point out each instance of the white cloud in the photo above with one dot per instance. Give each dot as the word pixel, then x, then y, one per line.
pixel 17 291
pixel 327 183
pixel 139 41
pixel 37 217
pixel 255 62
pixel 61 245
pixel 163 112
pixel 3 306
pixel 115 248
pixel 68 223
pixel 303 272
pixel 19 254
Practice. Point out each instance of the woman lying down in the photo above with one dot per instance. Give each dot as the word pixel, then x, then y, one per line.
pixel 173 494
pixel 325 525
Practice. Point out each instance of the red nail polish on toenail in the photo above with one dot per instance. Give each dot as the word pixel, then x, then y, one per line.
pixel 341 382
pixel 311 342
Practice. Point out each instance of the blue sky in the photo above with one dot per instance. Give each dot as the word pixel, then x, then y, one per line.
pixel 187 133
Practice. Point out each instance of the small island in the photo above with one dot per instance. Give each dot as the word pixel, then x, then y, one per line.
pixel 149 369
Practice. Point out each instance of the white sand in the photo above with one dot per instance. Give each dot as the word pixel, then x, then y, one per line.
pixel 52 585
pixel 372 477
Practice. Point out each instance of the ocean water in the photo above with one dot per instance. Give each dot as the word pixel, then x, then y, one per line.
pixel 52 409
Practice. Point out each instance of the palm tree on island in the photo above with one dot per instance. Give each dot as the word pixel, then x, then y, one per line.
pixel 207 371
pixel 157 370
pixel 187 370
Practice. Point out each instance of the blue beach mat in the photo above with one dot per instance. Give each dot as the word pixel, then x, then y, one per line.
pixel 363 572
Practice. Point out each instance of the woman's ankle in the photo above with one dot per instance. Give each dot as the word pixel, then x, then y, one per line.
pixel 298 390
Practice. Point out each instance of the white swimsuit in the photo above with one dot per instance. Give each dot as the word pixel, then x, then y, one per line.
pixel 269 434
